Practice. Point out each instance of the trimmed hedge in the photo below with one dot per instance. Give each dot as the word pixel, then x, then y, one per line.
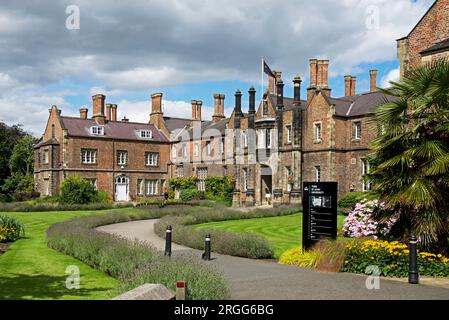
pixel 351 199
pixel 44 207
pixel 134 263
pixel 241 245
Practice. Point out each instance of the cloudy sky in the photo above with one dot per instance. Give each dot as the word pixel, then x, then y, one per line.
pixel 187 49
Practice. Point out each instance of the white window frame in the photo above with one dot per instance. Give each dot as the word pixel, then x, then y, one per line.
pixel 152 159
pixel 122 158
pixel 180 171
pixel 202 175
pixel 317 173
pixel 88 156
pixel 196 149
pixel 184 150
pixel 289 134
pixel 140 187
pixel 366 169
pixel 245 138
pixel 268 138
pixel 146 134
pixel 152 187
pixel 245 180
pixel 174 152
pixel 97 130
pixel 318 131
pixel 208 148
pixel 357 130
pixel 222 143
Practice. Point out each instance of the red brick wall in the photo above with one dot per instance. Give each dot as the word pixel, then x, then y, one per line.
pixel 433 28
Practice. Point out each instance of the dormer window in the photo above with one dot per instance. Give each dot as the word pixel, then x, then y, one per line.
pixel 146 134
pixel 97 130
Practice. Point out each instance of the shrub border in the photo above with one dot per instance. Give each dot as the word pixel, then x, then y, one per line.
pixel 245 245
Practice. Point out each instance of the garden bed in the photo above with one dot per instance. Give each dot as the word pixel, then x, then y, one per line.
pixel 134 263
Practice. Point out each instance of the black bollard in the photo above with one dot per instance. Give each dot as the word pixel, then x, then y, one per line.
pixel 168 236
pixel 413 275
pixel 207 248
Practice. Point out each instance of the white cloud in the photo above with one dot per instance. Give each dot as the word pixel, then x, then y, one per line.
pixel 139 111
pixel 30 110
pixel 393 75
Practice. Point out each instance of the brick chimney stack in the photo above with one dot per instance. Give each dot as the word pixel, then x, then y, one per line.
pixel 373 80
pixel 271 83
pixel 194 115
pixel 83 113
pixel 348 83
pixel 199 106
pixel 353 86
pixel 218 107
pixel 98 108
pixel 156 103
pixel 252 100
pixel 114 112
pixel 313 72
pixel 278 75
pixel 238 103
pixel 157 116
pixel 280 93
pixel 108 112
pixel 297 90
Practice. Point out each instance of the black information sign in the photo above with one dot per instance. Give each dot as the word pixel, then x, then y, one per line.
pixel 319 212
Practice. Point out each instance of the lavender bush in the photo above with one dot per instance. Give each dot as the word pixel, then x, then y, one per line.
pixel 361 223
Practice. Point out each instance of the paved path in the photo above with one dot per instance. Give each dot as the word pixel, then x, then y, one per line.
pixel 258 280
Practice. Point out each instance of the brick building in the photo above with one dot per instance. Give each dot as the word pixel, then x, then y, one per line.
pixel 428 40
pixel 127 160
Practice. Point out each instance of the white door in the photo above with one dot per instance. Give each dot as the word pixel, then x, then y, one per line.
pixel 121 188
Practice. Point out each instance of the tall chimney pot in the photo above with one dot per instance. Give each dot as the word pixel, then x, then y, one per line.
pixel 373 80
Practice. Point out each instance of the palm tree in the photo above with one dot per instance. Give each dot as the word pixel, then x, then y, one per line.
pixel 411 155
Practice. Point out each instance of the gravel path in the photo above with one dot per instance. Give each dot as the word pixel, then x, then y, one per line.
pixel 259 280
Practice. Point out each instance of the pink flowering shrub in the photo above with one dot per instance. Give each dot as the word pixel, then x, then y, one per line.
pixel 361 223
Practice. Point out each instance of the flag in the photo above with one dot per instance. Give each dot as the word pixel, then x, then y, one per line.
pixel 267 69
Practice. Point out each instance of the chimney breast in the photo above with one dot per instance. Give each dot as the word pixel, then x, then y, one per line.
pixel 271 83
pixel 373 80
pixel 199 105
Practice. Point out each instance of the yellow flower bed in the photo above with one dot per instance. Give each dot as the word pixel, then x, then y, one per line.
pixel 297 257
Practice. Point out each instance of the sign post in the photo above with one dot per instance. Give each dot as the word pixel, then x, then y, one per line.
pixel 319 212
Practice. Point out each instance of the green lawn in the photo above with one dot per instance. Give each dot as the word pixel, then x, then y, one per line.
pixel 282 232
pixel 30 270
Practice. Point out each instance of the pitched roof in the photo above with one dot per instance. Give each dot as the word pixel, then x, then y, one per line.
pixel 219 126
pixel 174 124
pixel 288 102
pixel 438 47
pixel 359 105
pixel 118 130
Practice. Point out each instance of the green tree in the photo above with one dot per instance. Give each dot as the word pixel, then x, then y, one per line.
pixel 22 158
pixel 8 139
pixel 411 155
pixel 21 166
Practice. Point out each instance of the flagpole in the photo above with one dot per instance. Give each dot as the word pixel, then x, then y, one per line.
pixel 261 83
